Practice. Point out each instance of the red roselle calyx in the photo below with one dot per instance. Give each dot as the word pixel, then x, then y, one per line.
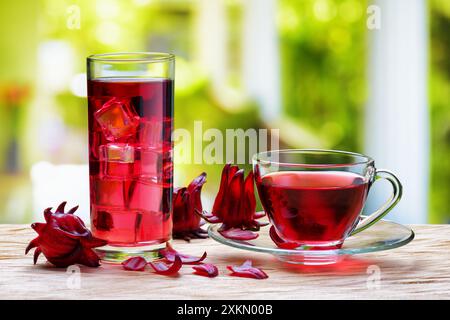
pixel 186 201
pixel 64 239
pixel 235 205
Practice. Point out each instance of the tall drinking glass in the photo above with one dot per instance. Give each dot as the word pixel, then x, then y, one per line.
pixel 130 99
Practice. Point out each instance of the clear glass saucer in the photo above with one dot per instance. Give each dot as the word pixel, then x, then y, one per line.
pixel 384 235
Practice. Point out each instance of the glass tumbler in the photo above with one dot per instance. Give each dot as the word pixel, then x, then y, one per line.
pixel 130 112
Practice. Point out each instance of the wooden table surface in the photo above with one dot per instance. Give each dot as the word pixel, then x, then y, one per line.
pixel 419 270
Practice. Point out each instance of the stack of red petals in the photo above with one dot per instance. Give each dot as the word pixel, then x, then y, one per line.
pixel 186 201
pixel 235 205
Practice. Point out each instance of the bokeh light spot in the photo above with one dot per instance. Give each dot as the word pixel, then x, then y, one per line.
pixel 108 33
pixel 324 10
pixel 350 10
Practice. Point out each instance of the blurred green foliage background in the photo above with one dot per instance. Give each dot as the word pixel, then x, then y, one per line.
pixel 323 58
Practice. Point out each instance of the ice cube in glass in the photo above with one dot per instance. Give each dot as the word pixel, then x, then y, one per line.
pixel 148 163
pixel 117 119
pixel 110 192
pixel 146 196
pixel 150 132
pixel 116 160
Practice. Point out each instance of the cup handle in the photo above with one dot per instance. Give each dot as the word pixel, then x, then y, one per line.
pixel 387 206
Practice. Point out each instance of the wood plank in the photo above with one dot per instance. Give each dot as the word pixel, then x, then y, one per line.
pixel 419 270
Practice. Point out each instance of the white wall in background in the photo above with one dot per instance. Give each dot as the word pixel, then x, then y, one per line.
pixel 212 35
pixel 53 184
pixel 397 112
pixel 260 56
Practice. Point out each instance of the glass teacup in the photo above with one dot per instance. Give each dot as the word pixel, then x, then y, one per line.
pixel 314 198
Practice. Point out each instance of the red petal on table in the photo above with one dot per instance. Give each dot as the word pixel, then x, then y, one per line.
pixel 170 253
pixel 246 270
pixel 208 216
pixel 167 270
pixel 134 264
pixel 238 234
pixel 207 270
pixel 280 242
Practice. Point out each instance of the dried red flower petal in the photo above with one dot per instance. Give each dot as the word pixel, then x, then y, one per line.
pixel 235 204
pixel 64 239
pixel 228 172
pixel 238 234
pixel 186 201
pixel 134 264
pixel 170 254
pixel 246 270
pixel 280 242
pixel 207 270
pixel 164 269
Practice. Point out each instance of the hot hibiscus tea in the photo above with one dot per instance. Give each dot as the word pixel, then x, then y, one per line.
pixel 314 198
pixel 310 207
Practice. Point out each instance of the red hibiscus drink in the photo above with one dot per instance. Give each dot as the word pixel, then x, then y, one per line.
pixel 314 198
pixel 313 207
pixel 130 98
